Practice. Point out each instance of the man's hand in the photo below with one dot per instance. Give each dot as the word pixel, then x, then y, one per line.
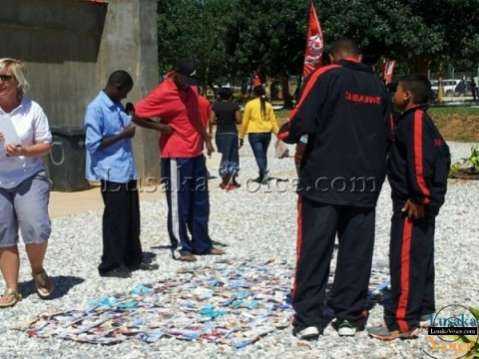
pixel 129 132
pixel 15 151
pixel 129 108
pixel 413 210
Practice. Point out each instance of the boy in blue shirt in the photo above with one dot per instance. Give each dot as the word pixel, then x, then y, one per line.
pixel 109 159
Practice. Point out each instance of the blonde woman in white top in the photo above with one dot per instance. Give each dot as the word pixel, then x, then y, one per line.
pixel 24 186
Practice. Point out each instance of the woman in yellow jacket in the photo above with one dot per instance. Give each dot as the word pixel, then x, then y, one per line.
pixel 259 121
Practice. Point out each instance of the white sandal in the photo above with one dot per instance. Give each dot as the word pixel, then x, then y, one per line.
pixel 43 284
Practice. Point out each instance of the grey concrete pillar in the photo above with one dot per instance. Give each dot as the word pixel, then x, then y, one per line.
pixel 130 43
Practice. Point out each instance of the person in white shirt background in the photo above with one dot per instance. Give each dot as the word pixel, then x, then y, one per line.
pixel 24 185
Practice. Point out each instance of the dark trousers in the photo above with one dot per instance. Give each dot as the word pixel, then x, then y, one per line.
pixel 121 226
pixel 186 185
pixel 318 224
pixel 259 143
pixel 227 144
pixel 411 260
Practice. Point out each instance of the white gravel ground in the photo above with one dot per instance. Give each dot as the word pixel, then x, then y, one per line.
pixel 255 224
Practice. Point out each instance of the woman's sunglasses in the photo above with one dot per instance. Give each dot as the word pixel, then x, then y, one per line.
pixel 6 78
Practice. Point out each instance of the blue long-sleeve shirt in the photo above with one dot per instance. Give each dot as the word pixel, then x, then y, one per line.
pixel 116 163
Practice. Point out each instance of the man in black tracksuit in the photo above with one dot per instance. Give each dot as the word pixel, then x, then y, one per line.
pixel 418 167
pixel 343 112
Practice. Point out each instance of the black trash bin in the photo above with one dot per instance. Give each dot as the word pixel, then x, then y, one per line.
pixel 66 162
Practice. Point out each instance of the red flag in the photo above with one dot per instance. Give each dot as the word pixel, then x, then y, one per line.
pixel 312 60
pixel 315 43
pixel 388 71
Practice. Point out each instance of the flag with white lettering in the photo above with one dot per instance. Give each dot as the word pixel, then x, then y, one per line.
pixel 315 43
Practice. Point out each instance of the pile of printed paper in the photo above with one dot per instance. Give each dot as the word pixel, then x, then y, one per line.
pixel 225 303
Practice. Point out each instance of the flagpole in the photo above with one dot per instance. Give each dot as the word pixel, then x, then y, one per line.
pixel 312 60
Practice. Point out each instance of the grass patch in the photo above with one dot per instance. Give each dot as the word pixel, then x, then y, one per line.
pixel 459 124
pixel 448 111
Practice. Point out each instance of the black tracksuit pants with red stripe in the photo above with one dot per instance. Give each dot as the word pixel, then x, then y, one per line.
pixel 318 225
pixel 411 260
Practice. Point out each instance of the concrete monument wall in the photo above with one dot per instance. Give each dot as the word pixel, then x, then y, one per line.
pixel 71 46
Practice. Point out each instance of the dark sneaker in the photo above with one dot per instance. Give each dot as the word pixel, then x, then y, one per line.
pixel 257 180
pixel 309 333
pixel 187 257
pixel 265 179
pixel 384 334
pixel 120 272
pixel 346 329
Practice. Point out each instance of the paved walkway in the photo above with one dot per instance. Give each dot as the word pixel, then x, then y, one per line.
pixel 64 204
pixel 71 203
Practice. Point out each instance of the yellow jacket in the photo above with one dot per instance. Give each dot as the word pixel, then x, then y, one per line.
pixel 255 122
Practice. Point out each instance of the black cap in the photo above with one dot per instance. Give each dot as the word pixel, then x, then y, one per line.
pixel 187 68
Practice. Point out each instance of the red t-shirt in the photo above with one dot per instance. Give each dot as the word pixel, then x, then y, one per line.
pixel 180 110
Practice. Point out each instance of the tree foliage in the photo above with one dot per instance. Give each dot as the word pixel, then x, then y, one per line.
pixel 232 38
pixel 195 29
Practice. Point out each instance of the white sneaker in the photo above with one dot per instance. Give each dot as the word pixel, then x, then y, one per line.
pixel 346 329
pixel 308 333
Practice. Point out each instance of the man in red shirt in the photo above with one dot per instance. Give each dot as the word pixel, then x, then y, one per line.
pixel 175 102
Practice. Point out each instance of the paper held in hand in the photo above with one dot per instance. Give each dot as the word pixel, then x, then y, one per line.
pixel 8 131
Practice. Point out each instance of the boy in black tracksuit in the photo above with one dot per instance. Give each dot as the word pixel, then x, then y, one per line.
pixel 418 168
pixel 343 111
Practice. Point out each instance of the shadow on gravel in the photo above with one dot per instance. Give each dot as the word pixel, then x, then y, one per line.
pixel 278 179
pixel 63 284
pixel 162 248
pixel 149 257
pixel 168 247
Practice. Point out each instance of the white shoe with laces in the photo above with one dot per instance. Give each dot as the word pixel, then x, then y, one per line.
pixel 308 333
pixel 346 329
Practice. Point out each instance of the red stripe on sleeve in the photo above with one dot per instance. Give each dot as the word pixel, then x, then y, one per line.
pixel 418 155
pixel 306 91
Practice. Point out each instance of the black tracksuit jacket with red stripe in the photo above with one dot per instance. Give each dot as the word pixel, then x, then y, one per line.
pixel 419 162
pixel 344 110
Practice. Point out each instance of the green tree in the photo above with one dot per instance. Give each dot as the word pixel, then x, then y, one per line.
pixel 269 36
pixel 195 29
pixel 233 38
pixel 419 34
pixel 456 22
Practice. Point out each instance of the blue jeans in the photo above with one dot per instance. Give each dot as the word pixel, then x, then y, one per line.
pixel 227 144
pixel 259 143
pixel 186 183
